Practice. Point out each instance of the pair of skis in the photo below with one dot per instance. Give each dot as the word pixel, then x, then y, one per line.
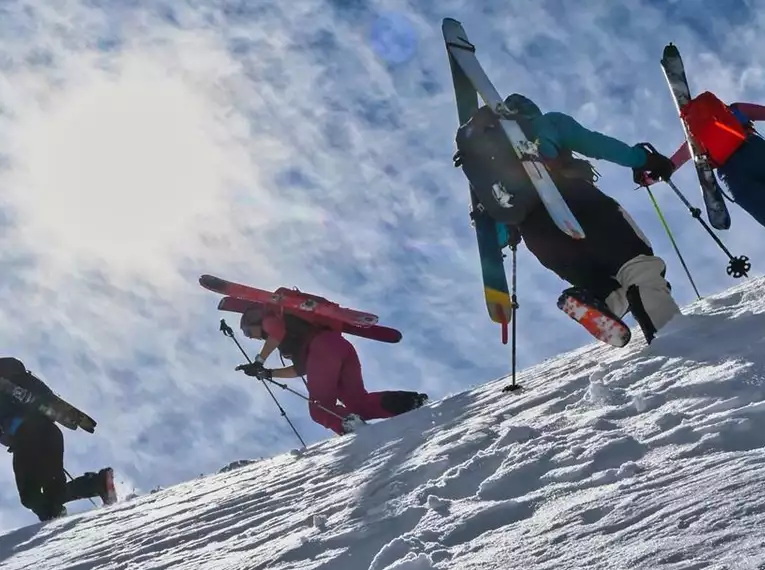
pixel 674 72
pixel 312 308
pixel 470 81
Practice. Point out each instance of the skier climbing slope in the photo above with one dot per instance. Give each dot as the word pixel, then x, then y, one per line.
pixel 613 270
pixel 37 445
pixel 331 367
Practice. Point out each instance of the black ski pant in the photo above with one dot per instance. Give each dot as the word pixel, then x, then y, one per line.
pixel 592 263
pixel 38 464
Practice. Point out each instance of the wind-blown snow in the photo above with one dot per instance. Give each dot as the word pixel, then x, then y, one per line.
pixel 644 457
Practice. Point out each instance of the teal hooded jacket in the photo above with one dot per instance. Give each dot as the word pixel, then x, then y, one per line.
pixel 558 131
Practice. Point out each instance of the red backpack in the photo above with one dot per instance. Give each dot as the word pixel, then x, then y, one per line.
pixel 714 127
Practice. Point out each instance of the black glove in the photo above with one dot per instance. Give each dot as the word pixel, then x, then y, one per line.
pixel 657 166
pixel 257 370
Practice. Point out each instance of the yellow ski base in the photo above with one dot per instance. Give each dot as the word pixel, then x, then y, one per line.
pixel 499 305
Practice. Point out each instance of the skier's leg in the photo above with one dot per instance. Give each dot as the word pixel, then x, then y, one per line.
pixel 38 464
pixel 648 293
pixel 371 405
pixel 615 262
pixel 591 263
pixel 90 485
pixel 325 360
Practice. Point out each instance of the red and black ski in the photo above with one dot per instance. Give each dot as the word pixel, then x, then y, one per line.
pixel 595 317
pixel 315 309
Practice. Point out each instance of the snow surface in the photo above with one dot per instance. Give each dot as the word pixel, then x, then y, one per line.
pixel 644 457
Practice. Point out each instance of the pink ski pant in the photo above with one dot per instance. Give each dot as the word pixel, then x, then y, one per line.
pixel 333 372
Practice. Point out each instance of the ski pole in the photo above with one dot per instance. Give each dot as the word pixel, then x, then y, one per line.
pixel 226 330
pixel 514 304
pixel 738 266
pixel 672 239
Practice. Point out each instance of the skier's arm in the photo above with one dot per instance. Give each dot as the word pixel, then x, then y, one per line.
pixel 681 156
pixel 752 111
pixel 593 144
pixel 276 330
pixel 288 372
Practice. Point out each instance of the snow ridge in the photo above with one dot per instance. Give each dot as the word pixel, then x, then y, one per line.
pixel 633 458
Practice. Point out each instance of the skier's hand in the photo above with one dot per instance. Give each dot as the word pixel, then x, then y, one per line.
pixel 656 167
pixel 257 370
pixel 646 180
pixel 513 236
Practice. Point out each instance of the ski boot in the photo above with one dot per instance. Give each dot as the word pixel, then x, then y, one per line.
pixel 351 423
pixel 595 316
pixel 399 402
pixel 91 484
pixel 106 490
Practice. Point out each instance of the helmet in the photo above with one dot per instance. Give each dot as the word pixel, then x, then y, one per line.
pixel 522 105
pixel 252 316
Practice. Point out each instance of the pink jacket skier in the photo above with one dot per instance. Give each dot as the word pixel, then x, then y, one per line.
pixel 331 367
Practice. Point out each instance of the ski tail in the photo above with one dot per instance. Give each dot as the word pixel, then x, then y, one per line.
pixel 595 316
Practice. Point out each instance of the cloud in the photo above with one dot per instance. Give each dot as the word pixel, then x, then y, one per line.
pixel 145 144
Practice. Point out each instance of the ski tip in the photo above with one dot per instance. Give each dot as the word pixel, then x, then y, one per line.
pixel 450 22
pixel 211 282
pixel 671 49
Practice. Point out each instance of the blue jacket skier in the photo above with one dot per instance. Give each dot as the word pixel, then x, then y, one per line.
pixel 37 445
pixel 614 269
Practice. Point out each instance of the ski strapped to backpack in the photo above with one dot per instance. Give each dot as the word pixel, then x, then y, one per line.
pixel 34 395
pixel 537 178
pixel 674 72
pixel 313 309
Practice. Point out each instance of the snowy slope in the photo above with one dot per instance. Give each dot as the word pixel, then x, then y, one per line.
pixel 646 457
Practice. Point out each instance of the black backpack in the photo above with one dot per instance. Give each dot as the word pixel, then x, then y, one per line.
pixel 297 331
pixel 496 175
pixel 14 370
pixel 498 179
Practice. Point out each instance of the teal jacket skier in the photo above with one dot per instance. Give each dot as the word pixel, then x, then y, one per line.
pixel 613 270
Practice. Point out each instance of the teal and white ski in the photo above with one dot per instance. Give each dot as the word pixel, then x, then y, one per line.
pixel 496 292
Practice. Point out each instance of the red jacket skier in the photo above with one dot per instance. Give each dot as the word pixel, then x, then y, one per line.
pixel 331 366
pixel 726 133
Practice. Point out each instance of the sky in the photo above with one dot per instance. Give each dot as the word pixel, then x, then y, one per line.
pixel 146 143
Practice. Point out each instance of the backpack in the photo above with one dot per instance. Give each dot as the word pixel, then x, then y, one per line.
pixel 14 370
pixel 714 127
pixel 297 331
pixel 497 178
